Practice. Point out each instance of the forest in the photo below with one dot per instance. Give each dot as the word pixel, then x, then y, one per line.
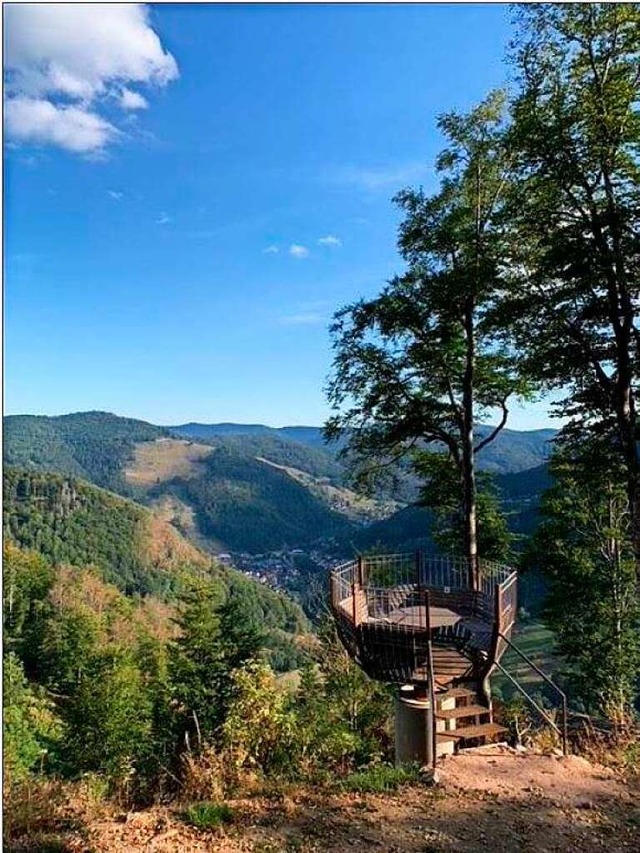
pixel 141 683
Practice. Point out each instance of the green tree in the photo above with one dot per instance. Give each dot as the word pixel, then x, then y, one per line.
pixel 216 638
pixel 30 727
pixel 28 578
pixel 442 496
pixel 418 365
pixel 584 550
pixel 575 217
pixel 109 720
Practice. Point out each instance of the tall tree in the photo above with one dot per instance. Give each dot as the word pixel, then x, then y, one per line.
pixel 584 550
pixel 416 366
pixel 576 217
pixel 216 638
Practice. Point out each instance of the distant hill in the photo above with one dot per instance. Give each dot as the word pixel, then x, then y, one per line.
pixel 250 487
pixel 409 527
pixel 309 435
pixel 512 451
pixel 69 521
pixel 92 445
pixel 249 505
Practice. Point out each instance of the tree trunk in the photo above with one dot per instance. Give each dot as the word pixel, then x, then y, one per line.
pixel 626 419
pixel 468 456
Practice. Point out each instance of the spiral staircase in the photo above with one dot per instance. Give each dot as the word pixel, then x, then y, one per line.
pixel 415 621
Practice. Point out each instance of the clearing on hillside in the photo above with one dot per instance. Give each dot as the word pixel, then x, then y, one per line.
pixel 161 460
pixel 353 506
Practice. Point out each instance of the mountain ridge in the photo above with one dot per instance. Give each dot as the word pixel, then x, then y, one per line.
pixel 243 487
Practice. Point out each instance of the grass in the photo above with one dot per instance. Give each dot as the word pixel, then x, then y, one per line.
pixel 379 778
pixel 208 815
pixel 537 642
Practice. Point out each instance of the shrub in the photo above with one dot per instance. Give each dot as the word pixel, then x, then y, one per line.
pixel 31 810
pixel 30 725
pixel 380 778
pixel 205 776
pixel 208 815
pixel 259 732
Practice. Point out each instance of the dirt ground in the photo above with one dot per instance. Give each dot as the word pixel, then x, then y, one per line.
pixel 493 800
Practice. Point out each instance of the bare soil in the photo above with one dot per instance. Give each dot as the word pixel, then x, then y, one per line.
pixel 493 799
pixel 157 461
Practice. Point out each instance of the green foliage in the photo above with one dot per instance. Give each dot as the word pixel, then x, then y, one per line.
pixel 584 549
pixel 574 217
pixel 109 720
pixel 343 716
pixel 208 815
pixel 259 729
pixel 441 494
pixel 30 725
pixel 69 521
pixel 28 578
pixel 252 506
pixel 380 778
pixel 215 639
pixel 92 445
pixel 417 366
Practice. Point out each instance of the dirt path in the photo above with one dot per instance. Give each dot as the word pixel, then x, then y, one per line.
pixel 497 801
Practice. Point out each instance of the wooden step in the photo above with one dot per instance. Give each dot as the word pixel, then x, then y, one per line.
pixel 467 711
pixel 472 732
pixel 455 693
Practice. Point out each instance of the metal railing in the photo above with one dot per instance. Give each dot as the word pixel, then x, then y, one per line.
pixel 370 585
pixel 562 733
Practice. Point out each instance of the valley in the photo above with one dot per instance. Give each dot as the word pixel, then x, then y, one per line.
pixel 273 503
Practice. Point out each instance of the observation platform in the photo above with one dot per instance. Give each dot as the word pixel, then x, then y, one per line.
pixel 410 618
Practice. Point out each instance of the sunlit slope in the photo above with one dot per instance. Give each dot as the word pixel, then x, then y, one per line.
pixel 69 521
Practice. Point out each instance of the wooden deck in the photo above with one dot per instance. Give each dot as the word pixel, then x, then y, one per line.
pixel 395 613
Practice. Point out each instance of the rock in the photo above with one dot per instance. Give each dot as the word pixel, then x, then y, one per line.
pixel 430 776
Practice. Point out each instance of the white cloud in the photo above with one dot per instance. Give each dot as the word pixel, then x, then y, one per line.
pixel 65 62
pixel 270 250
pixel 164 219
pixel 380 178
pixel 74 128
pixel 306 318
pixel 330 240
pixel 130 100
pixel 115 195
pixel 297 251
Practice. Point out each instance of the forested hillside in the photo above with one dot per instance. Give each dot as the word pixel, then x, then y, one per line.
pixel 512 451
pixel 252 506
pixel 236 500
pixel 68 521
pixel 92 445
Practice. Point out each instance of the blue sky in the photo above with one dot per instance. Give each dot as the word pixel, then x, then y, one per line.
pixel 179 231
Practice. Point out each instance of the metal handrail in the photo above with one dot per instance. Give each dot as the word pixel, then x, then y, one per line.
pixel 563 734
pixel 494 574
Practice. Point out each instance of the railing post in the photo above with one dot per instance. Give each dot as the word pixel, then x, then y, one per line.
pixel 432 689
pixel 360 571
pixel 353 602
pixel 417 565
pixel 498 612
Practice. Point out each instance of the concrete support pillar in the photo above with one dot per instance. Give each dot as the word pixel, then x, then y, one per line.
pixel 413 728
